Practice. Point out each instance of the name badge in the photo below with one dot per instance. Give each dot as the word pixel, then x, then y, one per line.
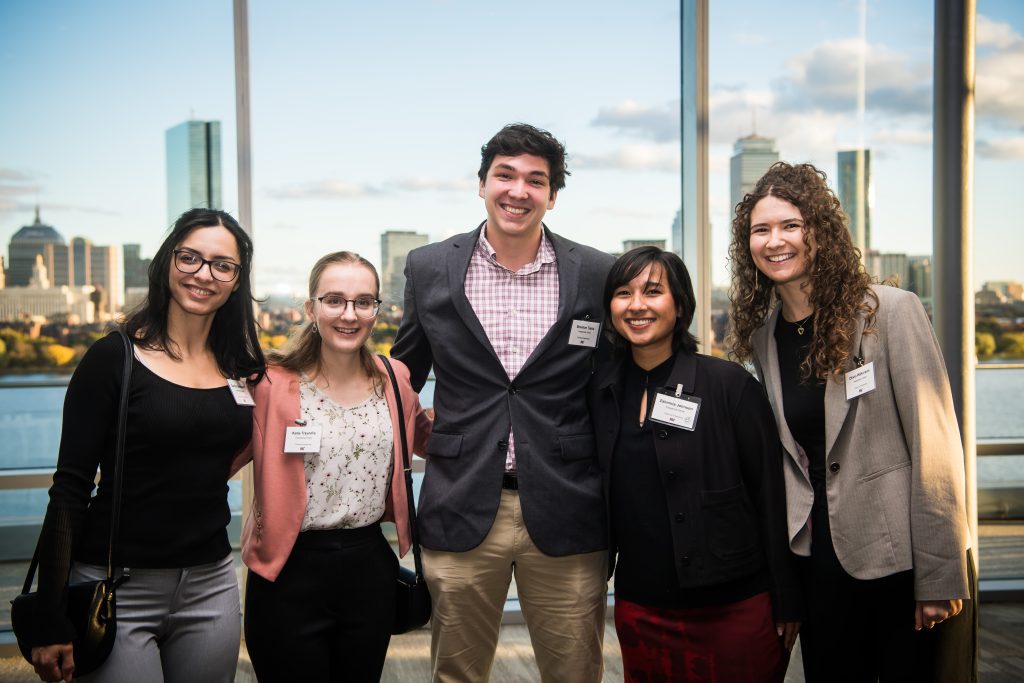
pixel 860 381
pixel 302 439
pixel 676 410
pixel 585 333
pixel 240 392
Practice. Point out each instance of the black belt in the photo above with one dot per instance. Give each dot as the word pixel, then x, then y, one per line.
pixel 510 481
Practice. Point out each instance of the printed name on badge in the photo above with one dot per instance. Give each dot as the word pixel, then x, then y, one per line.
pixel 860 381
pixel 240 392
pixel 302 439
pixel 676 411
pixel 585 333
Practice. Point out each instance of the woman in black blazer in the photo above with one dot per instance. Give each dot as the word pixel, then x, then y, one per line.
pixel 690 456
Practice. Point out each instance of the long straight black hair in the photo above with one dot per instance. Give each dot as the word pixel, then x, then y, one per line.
pixel 234 338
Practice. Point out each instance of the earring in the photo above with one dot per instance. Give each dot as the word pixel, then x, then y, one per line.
pixel 315 329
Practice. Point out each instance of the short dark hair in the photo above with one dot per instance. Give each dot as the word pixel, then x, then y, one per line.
pixel 629 266
pixel 234 337
pixel 522 138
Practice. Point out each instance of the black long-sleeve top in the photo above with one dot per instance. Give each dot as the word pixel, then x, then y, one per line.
pixel 698 517
pixel 179 444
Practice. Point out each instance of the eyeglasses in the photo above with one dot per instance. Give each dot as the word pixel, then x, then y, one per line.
pixel 191 262
pixel 334 304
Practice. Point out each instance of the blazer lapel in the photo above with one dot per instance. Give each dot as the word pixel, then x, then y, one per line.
pixel 568 263
pixel 767 350
pixel 458 264
pixel 836 405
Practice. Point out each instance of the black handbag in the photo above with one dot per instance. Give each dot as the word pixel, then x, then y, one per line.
pixel 91 605
pixel 412 599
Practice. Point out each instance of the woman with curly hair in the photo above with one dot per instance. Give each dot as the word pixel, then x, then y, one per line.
pixel 873 464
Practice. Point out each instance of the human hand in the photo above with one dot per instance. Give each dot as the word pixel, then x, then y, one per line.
pixel 430 412
pixel 54 662
pixel 930 613
pixel 787 631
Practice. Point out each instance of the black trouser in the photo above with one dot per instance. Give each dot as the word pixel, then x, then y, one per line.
pixel 863 631
pixel 328 616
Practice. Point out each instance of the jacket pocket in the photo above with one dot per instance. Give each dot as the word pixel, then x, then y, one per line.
pixel 443 445
pixel 885 470
pixel 578 447
pixel 731 528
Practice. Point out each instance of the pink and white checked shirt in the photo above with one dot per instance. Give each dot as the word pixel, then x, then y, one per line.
pixel 515 309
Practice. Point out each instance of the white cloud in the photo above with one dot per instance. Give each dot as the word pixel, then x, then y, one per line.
pixel 900 136
pixel 1004 149
pixel 425 184
pixel 998 78
pixel 663 158
pixel 997 34
pixel 659 123
pixel 323 189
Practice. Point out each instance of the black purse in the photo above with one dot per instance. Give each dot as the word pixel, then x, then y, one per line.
pixel 412 599
pixel 91 605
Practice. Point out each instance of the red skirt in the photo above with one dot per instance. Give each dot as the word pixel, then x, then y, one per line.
pixel 735 643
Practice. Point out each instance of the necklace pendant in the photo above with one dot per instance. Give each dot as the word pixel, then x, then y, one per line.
pixel 800 330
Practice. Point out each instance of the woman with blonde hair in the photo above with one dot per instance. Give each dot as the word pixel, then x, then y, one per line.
pixel 873 461
pixel 327 467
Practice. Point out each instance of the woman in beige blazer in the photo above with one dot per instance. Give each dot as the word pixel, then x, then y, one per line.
pixel 873 464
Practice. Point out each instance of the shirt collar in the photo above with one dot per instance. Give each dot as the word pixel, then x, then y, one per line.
pixel 545 254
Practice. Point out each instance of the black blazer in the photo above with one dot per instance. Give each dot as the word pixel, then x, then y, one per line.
pixel 476 404
pixel 725 477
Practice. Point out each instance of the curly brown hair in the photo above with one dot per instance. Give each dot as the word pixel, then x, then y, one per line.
pixel 838 283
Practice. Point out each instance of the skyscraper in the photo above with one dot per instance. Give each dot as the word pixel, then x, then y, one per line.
pixel 29 241
pixel 81 259
pixel 136 268
pixel 193 167
pixel 105 267
pixel 395 245
pixel 751 157
pixel 856 193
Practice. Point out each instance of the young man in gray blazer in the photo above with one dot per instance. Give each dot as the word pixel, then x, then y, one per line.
pixel 508 316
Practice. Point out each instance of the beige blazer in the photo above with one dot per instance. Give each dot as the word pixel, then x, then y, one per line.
pixel 895 464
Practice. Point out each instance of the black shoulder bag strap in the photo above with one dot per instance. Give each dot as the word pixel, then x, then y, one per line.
pixel 406 468
pixel 122 421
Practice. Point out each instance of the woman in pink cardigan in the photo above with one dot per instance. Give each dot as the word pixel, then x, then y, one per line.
pixel 327 467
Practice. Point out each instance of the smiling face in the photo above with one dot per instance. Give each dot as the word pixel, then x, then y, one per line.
pixel 199 293
pixel 517 193
pixel 777 245
pixel 343 332
pixel 644 312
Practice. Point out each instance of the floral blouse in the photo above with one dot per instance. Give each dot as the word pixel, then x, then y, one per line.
pixel 347 481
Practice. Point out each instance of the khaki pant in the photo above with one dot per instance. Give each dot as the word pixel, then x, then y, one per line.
pixel 563 601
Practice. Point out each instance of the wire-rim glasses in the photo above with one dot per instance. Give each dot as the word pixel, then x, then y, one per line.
pixel 334 304
pixel 191 262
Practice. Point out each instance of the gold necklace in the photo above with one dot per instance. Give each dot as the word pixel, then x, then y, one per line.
pixel 800 325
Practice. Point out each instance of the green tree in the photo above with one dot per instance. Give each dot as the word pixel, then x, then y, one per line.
pixel 1011 345
pixel 984 344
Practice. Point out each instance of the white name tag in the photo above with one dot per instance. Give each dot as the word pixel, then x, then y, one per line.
pixel 302 439
pixel 240 392
pixel 676 411
pixel 585 333
pixel 860 381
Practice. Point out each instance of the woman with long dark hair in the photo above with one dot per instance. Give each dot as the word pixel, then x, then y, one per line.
pixel 195 344
pixel 704 588
pixel 327 469
pixel 873 462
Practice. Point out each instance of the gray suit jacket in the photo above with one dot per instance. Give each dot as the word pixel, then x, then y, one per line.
pixel 895 464
pixel 476 404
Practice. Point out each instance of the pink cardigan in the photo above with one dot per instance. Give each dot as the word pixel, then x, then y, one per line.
pixel 279 501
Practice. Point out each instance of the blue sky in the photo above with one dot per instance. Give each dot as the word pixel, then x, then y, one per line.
pixel 369 116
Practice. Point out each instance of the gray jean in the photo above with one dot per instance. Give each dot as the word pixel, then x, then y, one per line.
pixel 173 625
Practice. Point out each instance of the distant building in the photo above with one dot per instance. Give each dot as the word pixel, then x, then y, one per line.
pixel 105 264
pixel 752 156
pixel 193 167
pixel 81 261
pixel 919 277
pixel 856 194
pixel 633 244
pixel 3 277
pixel 888 265
pixel 136 268
pixel 677 233
pixel 39 299
pixel 25 245
pixel 1008 289
pixel 60 264
pixel 395 245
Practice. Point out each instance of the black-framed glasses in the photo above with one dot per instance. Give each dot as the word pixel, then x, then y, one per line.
pixel 191 262
pixel 335 304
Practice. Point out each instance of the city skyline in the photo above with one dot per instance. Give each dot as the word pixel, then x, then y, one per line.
pixel 339 159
